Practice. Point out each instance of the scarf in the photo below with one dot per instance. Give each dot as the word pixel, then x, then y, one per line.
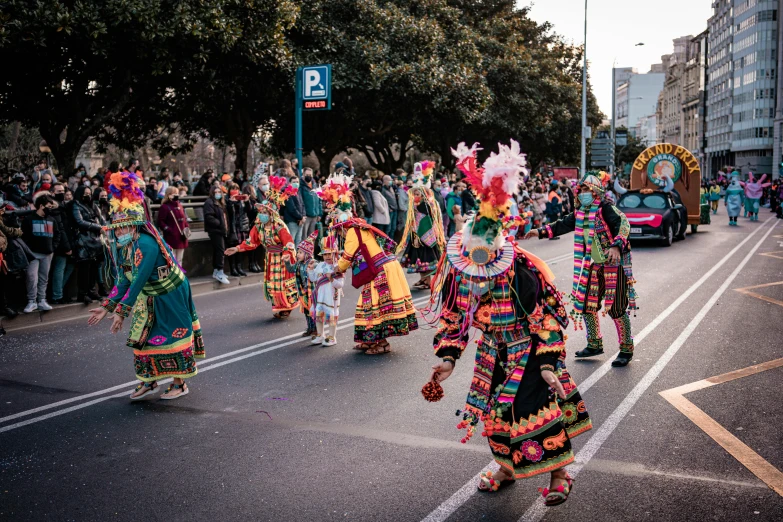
pixel 582 258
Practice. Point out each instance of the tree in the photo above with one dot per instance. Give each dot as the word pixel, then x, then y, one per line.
pixel 83 68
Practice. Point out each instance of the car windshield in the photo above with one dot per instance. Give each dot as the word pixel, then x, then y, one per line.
pixel 656 201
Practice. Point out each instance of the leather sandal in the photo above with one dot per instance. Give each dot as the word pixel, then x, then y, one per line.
pixel 172 386
pixel 558 495
pixel 149 387
pixel 490 485
pixel 362 347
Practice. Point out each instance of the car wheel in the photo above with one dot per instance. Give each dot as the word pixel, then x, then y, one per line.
pixel 694 229
pixel 668 235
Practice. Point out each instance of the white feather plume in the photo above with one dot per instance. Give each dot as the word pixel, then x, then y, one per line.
pixel 462 151
pixel 508 163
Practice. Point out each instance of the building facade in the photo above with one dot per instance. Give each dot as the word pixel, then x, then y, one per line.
pixel 694 83
pixel 637 97
pixel 719 79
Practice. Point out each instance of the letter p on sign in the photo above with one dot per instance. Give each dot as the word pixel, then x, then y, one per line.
pixel 315 82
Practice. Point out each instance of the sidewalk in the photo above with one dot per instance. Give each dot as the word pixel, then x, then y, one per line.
pixel 198 285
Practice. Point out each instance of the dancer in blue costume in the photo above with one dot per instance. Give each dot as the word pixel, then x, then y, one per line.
pixel 165 333
pixel 734 196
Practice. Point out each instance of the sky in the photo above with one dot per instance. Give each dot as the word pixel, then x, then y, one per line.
pixel 614 27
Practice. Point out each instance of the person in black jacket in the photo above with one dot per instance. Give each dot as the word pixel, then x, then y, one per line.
pixel 468 201
pixel 294 212
pixel 41 236
pixel 62 266
pixel 216 227
pixel 204 182
pixel 85 243
pixel 238 226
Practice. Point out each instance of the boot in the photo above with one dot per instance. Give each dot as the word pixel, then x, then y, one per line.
pixel 623 358
pixel 239 267
pixel 625 338
pixel 233 267
pixel 254 267
pixel 595 343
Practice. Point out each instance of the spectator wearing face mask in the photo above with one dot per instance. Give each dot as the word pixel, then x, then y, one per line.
pixel 369 207
pixel 237 205
pixel 172 223
pixel 216 227
pixel 294 212
pixel 390 195
pixel 38 231
pixel 151 190
pixel 85 243
pixel 62 265
pixel 312 203
pixel 402 212
pixel 176 180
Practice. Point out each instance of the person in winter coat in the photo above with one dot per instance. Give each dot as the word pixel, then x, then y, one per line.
pixel 238 225
pixel 202 187
pixel 86 243
pixel 9 230
pixel 62 265
pixel 369 207
pixel 312 203
pixel 380 215
pixel 172 223
pixel 252 213
pixel 216 227
pixel 389 192
pixel 294 212
pixel 38 229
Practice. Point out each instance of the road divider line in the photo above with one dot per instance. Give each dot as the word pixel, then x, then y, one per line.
pixel 537 511
pixel 207 364
pixel 448 507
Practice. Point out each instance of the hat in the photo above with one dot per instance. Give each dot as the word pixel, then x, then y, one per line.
pixel 422 173
pixel 278 193
pixel 225 177
pixel 598 182
pixel 494 184
pixel 329 245
pixel 308 245
pixel 337 196
pixel 126 200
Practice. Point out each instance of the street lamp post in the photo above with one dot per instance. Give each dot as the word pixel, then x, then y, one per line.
pixel 584 101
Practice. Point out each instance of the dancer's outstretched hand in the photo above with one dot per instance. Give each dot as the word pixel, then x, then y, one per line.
pixel 116 324
pixel 231 251
pixel 441 371
pixel 96 316
pixel 553 382
pixel 530 235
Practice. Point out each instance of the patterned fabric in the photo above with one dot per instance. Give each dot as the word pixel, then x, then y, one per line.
pixel 165 332
pixel 623 325
pixel 593 330
pixel 280 286
pixel 582 259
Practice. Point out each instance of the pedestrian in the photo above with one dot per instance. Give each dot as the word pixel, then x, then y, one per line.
pixel 238 226
pixel 38 231
pixel 327 292
pixel 453 199
pixel 714 196
pixel 312 203
pixel 402 210
pixel 385 307
pixel 440 198
pixel 13 257
pixel 216 227
pixel 151 189
pixel 18 191
pixel 423 240
pixel 468 200
pixel 734 195
pixel 164 180
pixel 204 183
pixel 176 180
pixel 304 286
pixel 166 334
pixel 173 224
pixel 85 243
pixel 380 215
pixel 62 264
pixel 270 231
pixel 294 211
pixel 254 257
pixel 602 265
pixel 390 195
pixel 521 388
pixel 366 199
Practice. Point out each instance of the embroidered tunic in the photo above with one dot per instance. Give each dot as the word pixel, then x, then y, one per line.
pixel 279 281
pixel 385 307
pixel 326 293
pixel 423 238
pixel 521 317
pixel 165 333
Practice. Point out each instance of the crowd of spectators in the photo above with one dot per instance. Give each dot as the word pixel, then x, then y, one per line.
pixel 51 228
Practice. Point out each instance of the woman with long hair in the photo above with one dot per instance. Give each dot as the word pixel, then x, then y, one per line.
pixel 86 243
pixel 216 227
pixel 172 223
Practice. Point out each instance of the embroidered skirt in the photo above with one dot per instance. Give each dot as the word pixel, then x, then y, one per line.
pixel 534 435
pixel 422 259
pixel 279 284
pixel 385 307
pixel 165 335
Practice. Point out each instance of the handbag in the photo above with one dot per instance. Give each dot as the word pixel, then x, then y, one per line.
pixel 363 269
pixel 186 233
pixel 87 247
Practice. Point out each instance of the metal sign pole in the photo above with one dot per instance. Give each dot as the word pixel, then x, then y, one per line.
pixel 298 119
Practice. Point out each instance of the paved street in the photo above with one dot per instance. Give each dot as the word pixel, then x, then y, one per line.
pixel 276 429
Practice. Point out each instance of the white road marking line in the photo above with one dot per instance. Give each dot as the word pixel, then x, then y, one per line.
pixel 448 507
pixel 297 338
pixel 537 511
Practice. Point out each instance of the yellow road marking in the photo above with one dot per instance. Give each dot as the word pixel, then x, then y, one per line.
pixel 765 471
pixel 747 291
pixel 776 255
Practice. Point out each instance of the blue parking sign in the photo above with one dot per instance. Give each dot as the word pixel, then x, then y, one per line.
pixel 316 83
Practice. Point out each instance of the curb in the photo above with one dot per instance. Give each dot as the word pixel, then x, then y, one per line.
pixel 198 286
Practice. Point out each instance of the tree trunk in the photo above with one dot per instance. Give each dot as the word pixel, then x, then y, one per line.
pixel 242 144
pixel 14 139
pixel 65 153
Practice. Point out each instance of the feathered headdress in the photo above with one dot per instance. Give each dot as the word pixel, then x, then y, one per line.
pixel 336 195
pixel 598 182
pixel 279 192
pixel 494 183
pixel 126 200
pixel 422 173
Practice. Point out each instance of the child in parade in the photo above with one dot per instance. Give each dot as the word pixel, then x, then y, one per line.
pixel 325 308
pixel 304 255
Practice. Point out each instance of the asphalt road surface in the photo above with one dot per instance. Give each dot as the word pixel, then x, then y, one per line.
pixel 276 429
